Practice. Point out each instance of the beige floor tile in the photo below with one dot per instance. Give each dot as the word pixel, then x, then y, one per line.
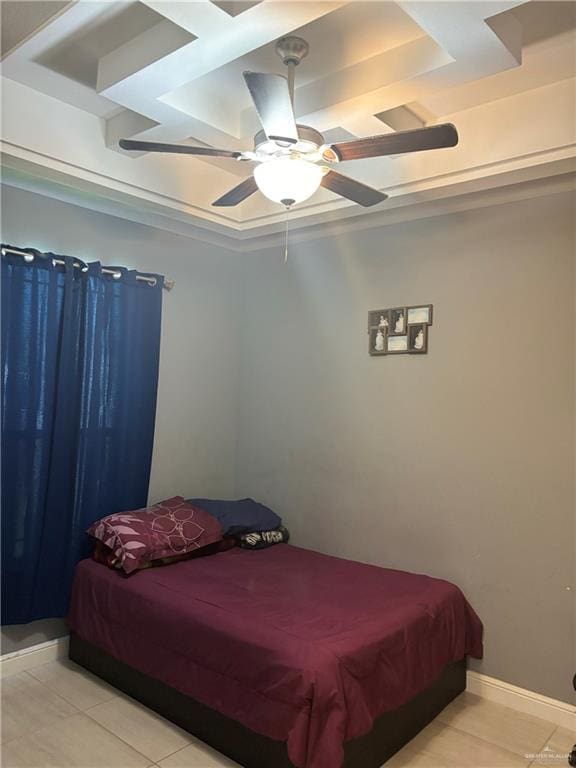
pixel 197 755
pixel 74 683
pixel 499 725
pixel 27 706
pixel 76 742
pixel 439 746
pixel 140 727
pixel 556 751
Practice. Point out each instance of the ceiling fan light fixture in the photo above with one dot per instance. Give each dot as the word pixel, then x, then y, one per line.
pixel 288 179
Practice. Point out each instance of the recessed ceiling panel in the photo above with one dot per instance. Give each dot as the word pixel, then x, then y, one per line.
pixel 543 20
pixel 77 56
pixel 235 7
pixel 348 35
pixel 19 20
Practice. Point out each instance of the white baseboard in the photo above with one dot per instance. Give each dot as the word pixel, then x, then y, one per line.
pixel 521 700
pixel 35 656
pixel 490 688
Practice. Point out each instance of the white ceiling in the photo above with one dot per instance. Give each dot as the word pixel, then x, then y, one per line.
pixel 79 76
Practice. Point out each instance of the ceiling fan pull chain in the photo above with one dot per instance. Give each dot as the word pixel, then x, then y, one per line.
pixel 286 237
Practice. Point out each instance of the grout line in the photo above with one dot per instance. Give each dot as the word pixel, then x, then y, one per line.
pixel 59 719
pixel 54 693
pixel 87 712
pixel 492 743
pixel 176 751
pixel 47 685
pixel 547 740
pixel 180 749
pixel 115 735
pixel 195 741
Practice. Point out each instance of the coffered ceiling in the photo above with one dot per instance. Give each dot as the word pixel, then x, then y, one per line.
pixel 78 76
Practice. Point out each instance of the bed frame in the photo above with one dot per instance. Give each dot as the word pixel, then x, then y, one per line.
pixel 391 731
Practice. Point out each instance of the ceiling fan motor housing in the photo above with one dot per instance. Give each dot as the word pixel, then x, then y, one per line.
pixel 309 139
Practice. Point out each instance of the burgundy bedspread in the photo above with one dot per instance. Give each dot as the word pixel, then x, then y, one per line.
pixel 298 646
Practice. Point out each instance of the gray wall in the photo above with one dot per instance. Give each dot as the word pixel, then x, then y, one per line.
pixel 195 438
pixel 460 463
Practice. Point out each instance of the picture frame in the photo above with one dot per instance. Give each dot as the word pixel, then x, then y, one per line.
pixel 419 314
pixel 395 315
pixel 374 343
pixel 379 318
pixel 399 330
pixel 397 344
pixel 418 339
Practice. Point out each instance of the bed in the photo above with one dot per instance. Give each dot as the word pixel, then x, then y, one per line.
pixel 280 657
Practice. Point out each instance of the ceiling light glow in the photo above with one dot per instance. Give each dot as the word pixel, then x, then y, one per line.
pixel 288 180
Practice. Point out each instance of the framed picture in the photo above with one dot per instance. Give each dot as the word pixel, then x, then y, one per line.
pixel 419 315
pixel 397 344
pixel 397 322
pixel 399 330
pixel 418 339
pixel 377 341
pixel 379 318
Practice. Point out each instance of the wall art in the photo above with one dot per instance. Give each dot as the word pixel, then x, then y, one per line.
pixel 399 330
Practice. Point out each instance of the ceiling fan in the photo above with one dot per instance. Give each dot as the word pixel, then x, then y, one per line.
pixel 292 159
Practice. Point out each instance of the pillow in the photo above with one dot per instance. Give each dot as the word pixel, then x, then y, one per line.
pixel 171 527
pixel 210 549
pixel 263 539
pixel 240 516
pixel 104 555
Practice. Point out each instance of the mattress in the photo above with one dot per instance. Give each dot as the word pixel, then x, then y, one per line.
pixel 296 645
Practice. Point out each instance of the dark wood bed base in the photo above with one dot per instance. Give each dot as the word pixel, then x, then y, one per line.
pixel 391 731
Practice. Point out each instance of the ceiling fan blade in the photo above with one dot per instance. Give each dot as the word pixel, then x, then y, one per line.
pixel 271 97
pixel 435 137
pixel 181 149
pixel 352 190
pixel 238 194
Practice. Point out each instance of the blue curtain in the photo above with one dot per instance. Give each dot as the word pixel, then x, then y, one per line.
pixel 80 355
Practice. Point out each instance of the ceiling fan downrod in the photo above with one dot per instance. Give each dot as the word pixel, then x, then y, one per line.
pixel 292 50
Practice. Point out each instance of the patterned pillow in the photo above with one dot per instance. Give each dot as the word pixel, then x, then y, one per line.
pixel 169 528
pixel 105 556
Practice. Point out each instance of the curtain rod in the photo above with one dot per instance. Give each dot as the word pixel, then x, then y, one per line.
pixel 167 284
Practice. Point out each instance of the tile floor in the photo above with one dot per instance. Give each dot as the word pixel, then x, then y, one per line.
pixel 60 716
